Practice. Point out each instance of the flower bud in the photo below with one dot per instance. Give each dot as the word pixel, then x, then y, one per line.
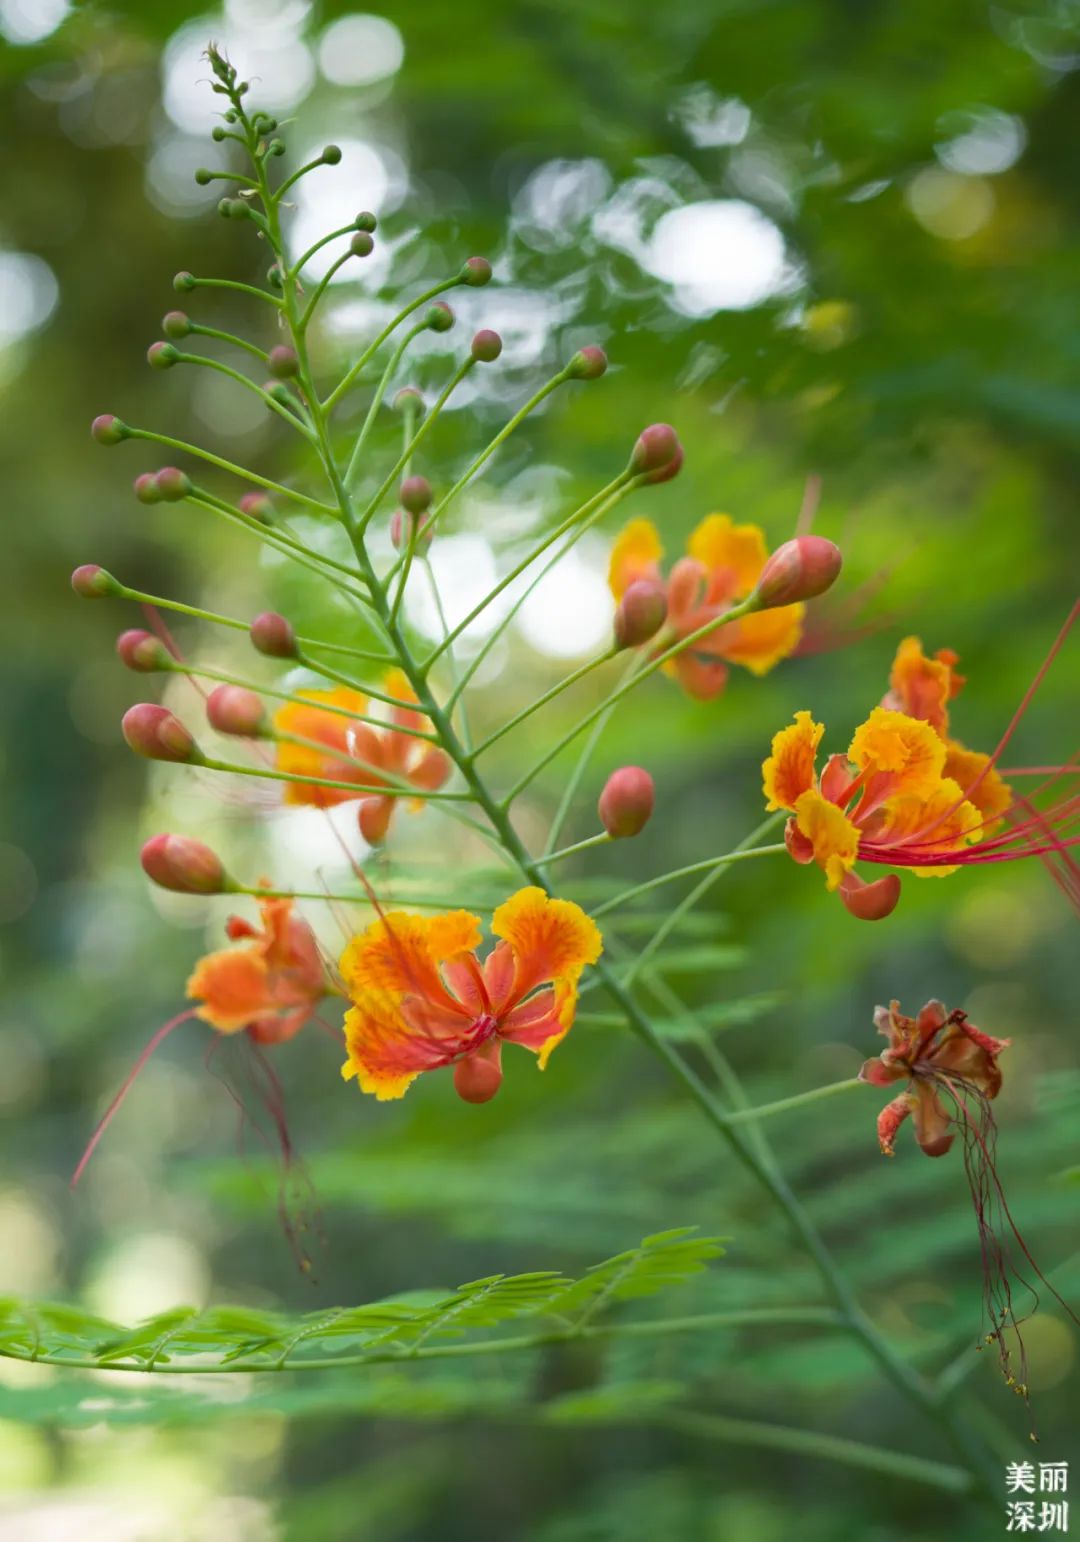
pixel 161 356
pixel 218 133
pixel 143 652
pixel 276 147
pixel 402 526
pixel 183 865
pixel 486 346
pixel 640 613
pixel 439 317
pixel 626 802
pixel 256 506
pixel 176 324
pixel 282 362
pixel 273 635
pixel 587 364
pixel 91 582
pixel 153 731
pixel 799 570
pixel 361 244
pixel 183 282
pixel 415 494
pixel 204 176
pixel 870 901
pixel 173 484
pixel 331 155
pixel 146 488
pixel 366 221
pixel 275 276
pixel 408 397
pixel 478 1077
pixel 233 709
pixel 476 272
pixel 657 456
pixel 108 429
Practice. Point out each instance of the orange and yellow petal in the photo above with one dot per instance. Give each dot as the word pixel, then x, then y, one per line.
pixel 981 784
pixel 935 823
pixel 759 641
pixel 831 833
pixel 552 940
pixel 922 687
pixel 636 554
pixel 401 953
pixel 233 986
pixel 737 551
pixel 383 1054
pixel 900 748
pixel 309 719
pixel 789 770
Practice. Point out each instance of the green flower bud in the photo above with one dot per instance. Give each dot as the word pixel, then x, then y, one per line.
pixel 361 244
pixel 176 324
pixel 331 155
pixel 108 429
pixel 476 272
pixel 365 221
pixel 184 282
pixel 161 356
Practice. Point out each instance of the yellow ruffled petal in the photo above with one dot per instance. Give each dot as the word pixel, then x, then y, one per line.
pixel 762 639
pixel 834 837
pixel 552 939
pixel 940 821
pixel 567 999
pixel 401 953
pixel 906 750
pixel 789 770
pixel 635 554
pixel 720 545
pixel 981 785
pixel 382 1056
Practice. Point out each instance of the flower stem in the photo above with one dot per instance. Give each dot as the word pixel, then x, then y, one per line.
pixel 603 839
pixel 797 1100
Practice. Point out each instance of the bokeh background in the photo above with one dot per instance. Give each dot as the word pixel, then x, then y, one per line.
pixel 825 241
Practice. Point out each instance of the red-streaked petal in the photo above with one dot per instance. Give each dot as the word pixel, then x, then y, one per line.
pixel 880 1075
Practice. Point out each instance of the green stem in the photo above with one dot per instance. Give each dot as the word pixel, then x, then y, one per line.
pixel 243 380
pixel 710 864
pixel 410 449
pixel 229 283
pixel 199 330
pixel 267 773
pixel 376 401
pixel 238 471
pixel 797 1100
pixel 372 349
pixel 541 701
pixel 603 839
pixel 573 781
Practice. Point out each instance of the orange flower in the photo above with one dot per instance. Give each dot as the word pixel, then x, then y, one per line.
pixel 267 986
pixel 422 999
pixel 723 564
pixel 347 749
pixel 887 800
pixel 923 687
pixel 934 1052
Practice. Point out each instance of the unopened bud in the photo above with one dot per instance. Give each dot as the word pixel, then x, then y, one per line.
pixel 476 272
pixel 273 635
pixel 108 429
pixel 366 221
pixel 587 364
pixel 477 1078
pixel 183 865
pixel 256 506
pixel 146 488
pixel 275 276
pixel 162 356
pixel 415 494
pixel 331 155
pixel 408 399
pixel 640 613
pixel 176 324
pixel 276 147
pixel 143 652
pixel 407 529
pixel 279 392
pixel 282 362
pixel 439 317
pixel 486 346
pixel 799 570
pixel 204 176
pixel 153 731
pixel 233 709
pixel 173 484
pixel 626 802
pixel 361 244
pixel 218 133
pixel 183 282
pixel 234 209
pixel 92 582
pixel 657 456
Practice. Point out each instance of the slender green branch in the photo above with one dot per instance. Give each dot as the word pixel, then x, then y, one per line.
pixel 455 699
pixel 372 349
pixel 376 400
pixel 740 854
pixel 379 790
pixel 346 230
pixel 409 451
pixel 541 701
pixel 573 781
pixel 239 471
pixel 229 283
pixel 603 839
pixel 198 329
pixel 264 396
pixel 797 1100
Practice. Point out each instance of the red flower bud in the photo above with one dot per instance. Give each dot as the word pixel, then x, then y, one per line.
pixel 282 362
pixel 361 244
pixel 108 429
pixel 870 901
pixel 184 865
pixel 486 346
pixel 161 356
pixel 153 731
pixel 176 324
pixel 478 1077
pixel 476 272
pixel 402 525
pixel 173 484
pixel 143 652
pixel 640 613
pixel 256 506
pixel 94 583
pixel 657 456
pixel 799 570
pixel 146 488
pixel 273 635
pixel 626 802
pixel 408 396
pixel 415 494
pixel 233 709
pixel 587 364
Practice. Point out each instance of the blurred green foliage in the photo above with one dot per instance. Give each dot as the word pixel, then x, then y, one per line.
pixel 924 363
